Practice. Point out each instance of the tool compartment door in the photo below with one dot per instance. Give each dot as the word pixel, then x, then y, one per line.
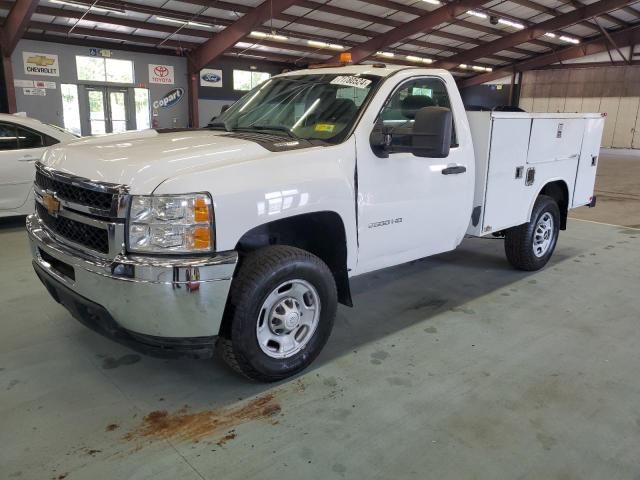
pixel 555 139
pixel 586 176
pixel 507 198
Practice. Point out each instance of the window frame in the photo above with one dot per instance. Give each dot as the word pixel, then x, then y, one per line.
pixel 15 129
pixel 252 86
pixel 105 79
pixel 45 140
pixel 454 135
pixel 32 132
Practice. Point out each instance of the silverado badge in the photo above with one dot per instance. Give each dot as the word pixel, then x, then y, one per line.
pixel 51 203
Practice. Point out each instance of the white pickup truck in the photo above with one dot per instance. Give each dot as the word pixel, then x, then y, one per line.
pixel 243 236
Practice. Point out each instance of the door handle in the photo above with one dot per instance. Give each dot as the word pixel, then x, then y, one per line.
pixel 454 170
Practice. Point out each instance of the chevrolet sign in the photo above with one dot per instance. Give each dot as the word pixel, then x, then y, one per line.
pixel 42 64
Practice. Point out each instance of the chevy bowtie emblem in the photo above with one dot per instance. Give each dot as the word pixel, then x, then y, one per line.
pixel 41 60
pixel 51 203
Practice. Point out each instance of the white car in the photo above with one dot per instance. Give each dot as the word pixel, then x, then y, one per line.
pixel 250 230
pixel 22 142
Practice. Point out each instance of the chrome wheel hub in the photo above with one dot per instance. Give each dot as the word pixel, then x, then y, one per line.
pixel 543 235
pixel 288 319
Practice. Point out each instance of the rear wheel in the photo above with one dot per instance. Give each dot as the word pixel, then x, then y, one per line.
pixel 530 246
pixel 282 307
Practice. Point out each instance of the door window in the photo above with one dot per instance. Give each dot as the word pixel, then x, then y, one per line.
pixel 70 108
pixel 118 112
pixel 8 137
pixel 143 120
pixel 29 139
pixel 97 117
pixel 400 110
pixel 108 110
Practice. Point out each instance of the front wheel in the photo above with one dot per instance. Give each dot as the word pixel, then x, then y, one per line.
pixel 530 246
pixel 282 307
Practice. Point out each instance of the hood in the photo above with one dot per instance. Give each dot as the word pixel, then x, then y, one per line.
pixel 143 160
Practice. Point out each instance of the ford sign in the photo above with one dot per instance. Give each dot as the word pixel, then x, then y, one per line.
pixel 211 77
pixel 170 99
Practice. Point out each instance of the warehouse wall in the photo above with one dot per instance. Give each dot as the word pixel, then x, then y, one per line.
pixel 613 90
pixel 49 108
pixel 490 95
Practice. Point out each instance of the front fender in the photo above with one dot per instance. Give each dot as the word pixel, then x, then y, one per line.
pixel 277 186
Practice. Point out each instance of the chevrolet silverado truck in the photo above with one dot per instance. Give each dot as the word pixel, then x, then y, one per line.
pixel 242 237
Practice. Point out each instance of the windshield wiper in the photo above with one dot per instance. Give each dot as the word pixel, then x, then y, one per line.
pixel 217 126
pixel 277 128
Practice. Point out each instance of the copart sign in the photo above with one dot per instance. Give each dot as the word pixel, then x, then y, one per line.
pixel 43 64
pixel 170 99
pixel 161 74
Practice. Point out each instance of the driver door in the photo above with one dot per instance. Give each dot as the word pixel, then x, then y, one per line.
pixel 411 207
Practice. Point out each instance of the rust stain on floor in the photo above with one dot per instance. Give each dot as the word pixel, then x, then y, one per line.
pixel 193 426
pixel 228 437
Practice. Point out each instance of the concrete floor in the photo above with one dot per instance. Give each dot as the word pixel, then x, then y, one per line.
pixel 454 367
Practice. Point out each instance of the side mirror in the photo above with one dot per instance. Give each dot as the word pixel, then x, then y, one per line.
pixel 381 139
pixel 432 132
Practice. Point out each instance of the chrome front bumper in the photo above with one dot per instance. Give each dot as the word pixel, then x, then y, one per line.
pixel 153 297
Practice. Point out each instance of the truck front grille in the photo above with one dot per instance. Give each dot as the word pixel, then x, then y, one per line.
pixel 91 237
pixel 77 194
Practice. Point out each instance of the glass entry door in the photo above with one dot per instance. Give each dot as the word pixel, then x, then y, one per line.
pixel 108 110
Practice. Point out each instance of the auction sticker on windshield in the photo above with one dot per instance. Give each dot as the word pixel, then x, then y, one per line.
pixel 325 127
pixel 351 81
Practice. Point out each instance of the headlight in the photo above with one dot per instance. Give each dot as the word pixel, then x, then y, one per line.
pixel 171 224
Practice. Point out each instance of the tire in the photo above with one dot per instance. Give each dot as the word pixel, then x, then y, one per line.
pixel 530 246
pixel 262 305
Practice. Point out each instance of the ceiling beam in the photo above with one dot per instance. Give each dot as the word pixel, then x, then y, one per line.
pixel 627 36
pixel 613 43
pixel 631 11
pixel 554 12
pixel 114 42
pixel 123 21
pixel 345 12
pixel 155 27
pixel 107 34
pixel 16 24
pixel 606 16
pixel 533 32
pixel 445 14
pixel 573 66
pixel 304 50
pixel 219 42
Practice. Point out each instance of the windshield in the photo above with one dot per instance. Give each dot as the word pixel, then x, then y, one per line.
pixel 311 107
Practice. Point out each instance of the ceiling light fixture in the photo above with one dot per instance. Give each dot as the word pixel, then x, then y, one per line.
pixel 550 35
pixel 270 36
pixel 184 22
pixel 386 54
pixel 413 58
pixel 477 14
pixel 510 23
pixel 478 68
pixel 432 2
pixel 92 8
pixel 564 38
pixel 333 46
